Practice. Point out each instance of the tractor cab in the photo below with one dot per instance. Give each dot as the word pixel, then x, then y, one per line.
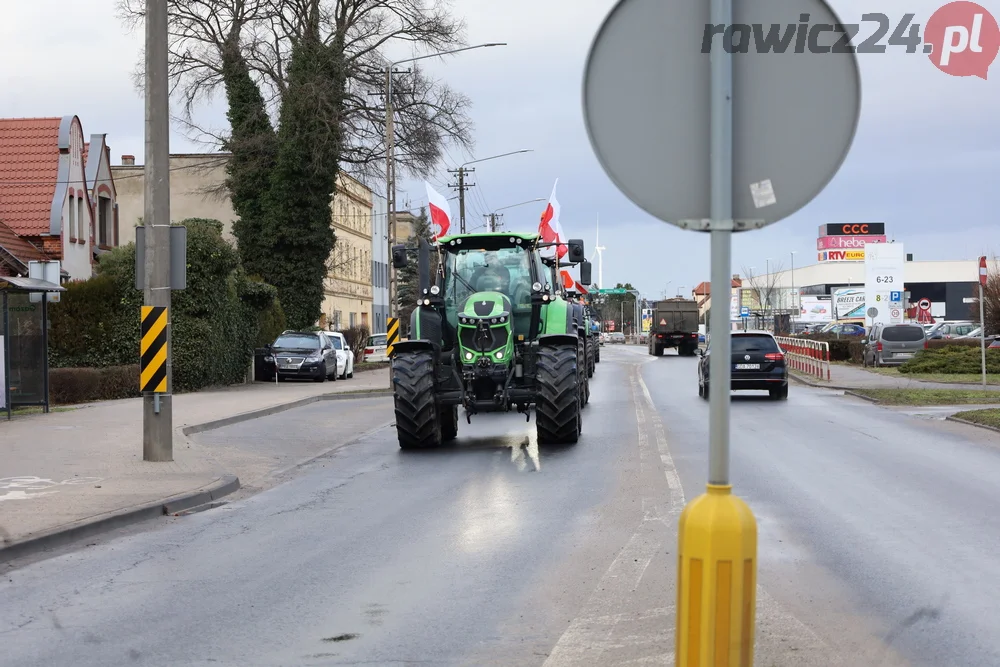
pixel 491 276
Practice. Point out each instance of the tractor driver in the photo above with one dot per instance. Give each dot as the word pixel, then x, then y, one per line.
pixel 494 274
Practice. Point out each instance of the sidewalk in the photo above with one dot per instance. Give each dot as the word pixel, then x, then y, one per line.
pixel 856 377
pixel 64 472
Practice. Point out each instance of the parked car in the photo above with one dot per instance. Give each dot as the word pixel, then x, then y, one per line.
pixel 758 363
pixel 844 329
pixel 375 349
pixel 304 355
pixel 893 344
pixel 955 329
pixel 345 356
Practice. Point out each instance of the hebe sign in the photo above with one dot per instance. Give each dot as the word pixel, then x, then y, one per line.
pixel 853 229
pixel 847 242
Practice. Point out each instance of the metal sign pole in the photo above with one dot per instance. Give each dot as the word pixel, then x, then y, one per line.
pixel 982 331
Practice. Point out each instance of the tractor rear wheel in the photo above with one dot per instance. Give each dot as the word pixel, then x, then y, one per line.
pixel 558 419
pixel 417 422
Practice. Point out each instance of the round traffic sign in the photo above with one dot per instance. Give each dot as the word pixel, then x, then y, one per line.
pixel 647 94
pixel 895 312
pixel 924 304
pixel 872 312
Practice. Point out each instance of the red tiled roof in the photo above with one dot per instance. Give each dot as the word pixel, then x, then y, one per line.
pixel 29 168
pixel 705 288
pixel 20 248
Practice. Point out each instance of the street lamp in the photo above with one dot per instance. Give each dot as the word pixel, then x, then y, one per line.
pixel 462 187
pixel 794 306
pixel 390 162
pixel 492 217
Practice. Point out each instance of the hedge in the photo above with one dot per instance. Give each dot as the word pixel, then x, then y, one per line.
pixel 83 385
pixel 952 359
pixel 215 322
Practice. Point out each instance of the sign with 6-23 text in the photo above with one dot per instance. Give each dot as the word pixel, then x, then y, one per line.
pixel 884 267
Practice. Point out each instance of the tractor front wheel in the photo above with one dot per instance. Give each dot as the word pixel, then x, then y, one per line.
pixel 417 421
pixel 558 419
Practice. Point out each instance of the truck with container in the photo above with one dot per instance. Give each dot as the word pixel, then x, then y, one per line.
pixel 674 324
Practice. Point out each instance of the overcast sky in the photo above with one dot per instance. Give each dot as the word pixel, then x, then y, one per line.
pixel 925 158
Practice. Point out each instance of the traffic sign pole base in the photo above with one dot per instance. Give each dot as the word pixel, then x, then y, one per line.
pixel 716 581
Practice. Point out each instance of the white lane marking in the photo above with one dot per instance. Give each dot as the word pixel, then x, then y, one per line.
pixel 677 501
pixel 593 630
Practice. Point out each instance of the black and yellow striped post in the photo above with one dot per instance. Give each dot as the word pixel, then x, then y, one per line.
pixel 153 350
pixel 391 335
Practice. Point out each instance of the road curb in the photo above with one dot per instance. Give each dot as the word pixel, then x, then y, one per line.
pixel 817 385
pixel 862 397
pixel 282 407
pixel 953 418
pixel 77 530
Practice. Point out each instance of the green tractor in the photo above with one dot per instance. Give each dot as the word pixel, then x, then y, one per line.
pixel 489 332
pixel 591 340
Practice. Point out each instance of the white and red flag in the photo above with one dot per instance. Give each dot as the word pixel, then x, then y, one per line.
pixel 440 212
pixel 550 229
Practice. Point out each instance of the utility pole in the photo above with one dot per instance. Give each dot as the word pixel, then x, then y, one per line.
pixel 491 221
pixel 157 414
pixel 461 187
pixel 390 187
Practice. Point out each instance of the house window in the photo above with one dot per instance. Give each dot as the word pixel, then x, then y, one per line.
pixel 337 316
pixel 104 220
pixel 364 319
pixel 81 221
pixel 353 315
pixel 72 217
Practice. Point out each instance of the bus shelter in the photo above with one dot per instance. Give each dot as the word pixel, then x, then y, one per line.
pixel 24 342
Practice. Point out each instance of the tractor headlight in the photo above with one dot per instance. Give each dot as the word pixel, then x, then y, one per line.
pixel 435 289
pixel 503 319
pixel 499 354
pixel 427 302
pixel 468 356
pixel 493 321
pixel 536 286
pixel 463 320
pixel 545 297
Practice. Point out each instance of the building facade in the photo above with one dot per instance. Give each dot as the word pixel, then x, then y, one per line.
pixel 348 300
pixel 380 264
pixel 197 190
pixel 50 197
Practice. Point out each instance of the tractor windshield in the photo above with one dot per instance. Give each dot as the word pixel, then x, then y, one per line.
pixel 505 270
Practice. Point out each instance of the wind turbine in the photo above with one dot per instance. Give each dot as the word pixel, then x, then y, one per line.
pixel 599 249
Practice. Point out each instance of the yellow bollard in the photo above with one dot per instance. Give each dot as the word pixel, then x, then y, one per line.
pixel 716 581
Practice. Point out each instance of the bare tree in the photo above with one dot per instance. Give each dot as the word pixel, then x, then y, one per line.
pixel 764 289
pixel 429 114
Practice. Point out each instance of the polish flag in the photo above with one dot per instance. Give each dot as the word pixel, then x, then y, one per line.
pixel 550 229
pixel 570 280
pixel 440 211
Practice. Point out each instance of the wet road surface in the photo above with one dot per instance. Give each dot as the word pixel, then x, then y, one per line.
pixel 496 552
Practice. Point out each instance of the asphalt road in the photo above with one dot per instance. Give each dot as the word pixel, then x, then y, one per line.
pixel 497 552
pixel 870 519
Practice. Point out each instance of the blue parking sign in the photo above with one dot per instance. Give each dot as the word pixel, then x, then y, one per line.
pixel 895 296
pixel 745 311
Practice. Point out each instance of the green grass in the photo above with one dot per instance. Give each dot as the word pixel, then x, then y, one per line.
pixel 35 410
pixel 986 417
pixel 930 396
pixel 944 378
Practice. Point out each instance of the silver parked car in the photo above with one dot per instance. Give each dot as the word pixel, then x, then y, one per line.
pixel 893 344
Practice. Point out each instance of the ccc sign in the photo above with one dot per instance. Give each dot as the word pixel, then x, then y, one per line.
pixel 854 229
